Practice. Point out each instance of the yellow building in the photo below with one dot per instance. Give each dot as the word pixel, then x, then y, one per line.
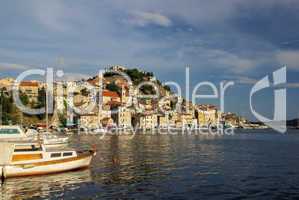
pixel 89 121
pixel 178 123
pixel 148 121
pixel 174 118
pixel 30 88
pixel 207 114
pixel 187 119
pixel 123 117
pixel 109 96
pixel 7 83
pixel 165 104
pixel 163 121
pixel 201 118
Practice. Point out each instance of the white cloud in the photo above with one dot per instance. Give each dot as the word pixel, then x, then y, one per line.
pixel 147 18
pixel 13 66
pixel 289 58
pixel 246 80
pixel 228 61
pixel 251 81
pixel 57 15
pixel 237 64
pixel 197 12
pixel 73 77
pixel 292 85
pixel 50 14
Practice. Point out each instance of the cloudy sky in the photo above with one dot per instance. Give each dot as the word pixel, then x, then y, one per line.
pixel 220 40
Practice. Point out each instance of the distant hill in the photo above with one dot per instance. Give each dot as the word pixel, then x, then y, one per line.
pixel 293 123
pixel 290 123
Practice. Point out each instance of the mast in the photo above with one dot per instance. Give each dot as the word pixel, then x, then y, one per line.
pixel 47 117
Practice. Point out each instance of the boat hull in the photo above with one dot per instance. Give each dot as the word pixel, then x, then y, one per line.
pixel 48 167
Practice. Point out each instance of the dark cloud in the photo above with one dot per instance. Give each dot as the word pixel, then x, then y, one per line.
pixel 218 39
pixel 276 23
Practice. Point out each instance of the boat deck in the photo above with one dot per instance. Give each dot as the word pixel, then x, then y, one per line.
pixel 62 148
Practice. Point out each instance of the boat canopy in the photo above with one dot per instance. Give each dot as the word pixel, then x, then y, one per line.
pixel 11 132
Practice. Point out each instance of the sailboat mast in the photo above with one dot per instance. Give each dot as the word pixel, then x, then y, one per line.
pixel 47 117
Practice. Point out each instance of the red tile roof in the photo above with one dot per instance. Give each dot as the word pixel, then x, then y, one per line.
pixel 107 93
pixel 113 103
pixel 29 84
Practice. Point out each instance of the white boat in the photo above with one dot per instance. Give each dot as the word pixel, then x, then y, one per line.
pixel 27 159
pixel 54 140
pixel 16 133
pixel 11 132
pixel 100 131
pixel 47 138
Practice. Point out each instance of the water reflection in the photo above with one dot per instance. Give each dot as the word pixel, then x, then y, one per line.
pixel 43 186
pixel 123 163
pixel 175 166
pixel 126 167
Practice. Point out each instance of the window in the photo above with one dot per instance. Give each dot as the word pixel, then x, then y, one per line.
pixel 9 131
pixel 67 154
pixel 21 148
pixel 55 155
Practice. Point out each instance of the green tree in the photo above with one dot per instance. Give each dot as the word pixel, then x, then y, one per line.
pixel 24 98
pixel 62 116
pixel 7 107
pixel 148 90
pixel 41 98
pixel 149 74
pixel 84 92
pixel 135 75
pixel 113 87
pixel 167 88
pixel 62 119
pixel 41 101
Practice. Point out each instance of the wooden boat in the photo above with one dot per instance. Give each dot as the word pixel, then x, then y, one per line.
pixel 27 159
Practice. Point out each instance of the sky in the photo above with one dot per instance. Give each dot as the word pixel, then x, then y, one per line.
pixel 233 40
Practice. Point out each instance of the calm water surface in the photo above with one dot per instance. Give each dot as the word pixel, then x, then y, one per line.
pixel 253 165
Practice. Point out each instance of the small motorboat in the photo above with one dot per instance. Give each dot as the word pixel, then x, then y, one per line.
pixel 27 159
pixel 53 140
pixel 47 138
pixel 16 133
pixel 99 131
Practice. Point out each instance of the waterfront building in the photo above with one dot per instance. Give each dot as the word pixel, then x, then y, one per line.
pixel 175 120
pixel 163 120
pixel 171 120
pixel 165 104
pixel 110 96
pixel 187 119
pixel 207 115
pixel 89 120
pixel 231 119
pixel 116 68
pixel 7 83
pixel 30 88
pixel 178 123
pixel 123 117
pixel 148 121
pixel 201 118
